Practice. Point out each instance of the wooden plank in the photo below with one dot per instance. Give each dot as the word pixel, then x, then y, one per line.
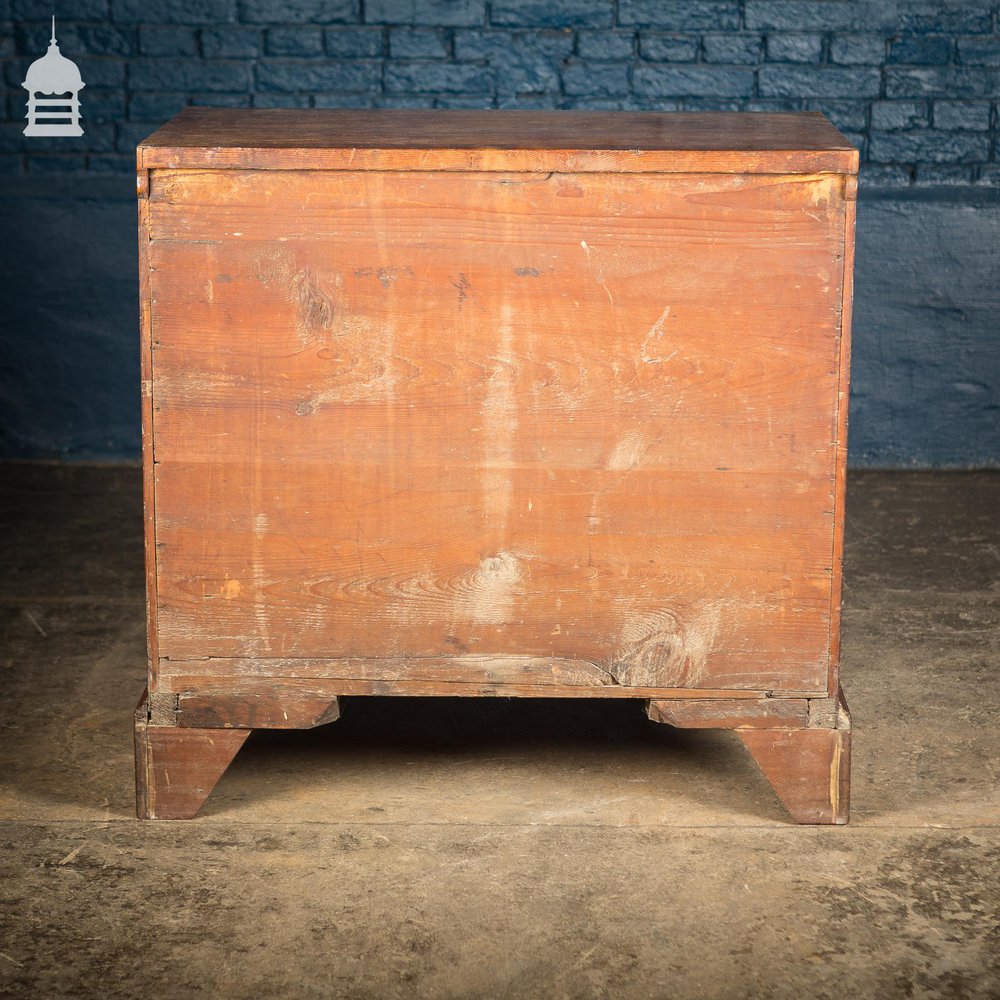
pixel 506 675
pixel 286 596
pixel 343 678
pixel 717 713
pixel 389 582
pixel 720 504
pixel 499 140
pixel 843 400
pixel 275 704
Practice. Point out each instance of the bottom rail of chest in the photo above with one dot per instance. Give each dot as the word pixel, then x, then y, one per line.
pixel 185 740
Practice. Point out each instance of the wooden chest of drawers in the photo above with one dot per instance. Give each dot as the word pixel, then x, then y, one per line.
pixel 494 403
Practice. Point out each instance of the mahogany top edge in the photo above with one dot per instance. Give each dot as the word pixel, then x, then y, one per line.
pixel 278 138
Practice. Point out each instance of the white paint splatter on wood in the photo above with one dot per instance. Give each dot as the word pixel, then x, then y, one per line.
pixel 628 452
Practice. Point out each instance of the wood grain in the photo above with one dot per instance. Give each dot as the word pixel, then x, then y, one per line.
pixel 843 400
pixel 809 769
pixel 575 417
pixel 146 416
pixel 459 140
pixel 176 769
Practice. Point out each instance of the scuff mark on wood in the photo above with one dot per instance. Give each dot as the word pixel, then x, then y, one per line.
pixel 527 272
pixel 628 452
pixel 387 276
pixel 492 589
pixel 667 648
pixel 598 270
pixel 360 364
pixel 261 640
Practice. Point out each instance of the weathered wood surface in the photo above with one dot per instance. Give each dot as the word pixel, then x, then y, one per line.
pixel 720 713
pixel 809 769
pixel 271 705
pixel 459 140
pixel 573 417
pixel 176 769
pixel 445 676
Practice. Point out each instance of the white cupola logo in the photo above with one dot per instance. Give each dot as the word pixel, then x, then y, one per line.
pixel 58 77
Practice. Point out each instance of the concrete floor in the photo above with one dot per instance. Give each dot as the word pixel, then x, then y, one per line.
pixel 450 848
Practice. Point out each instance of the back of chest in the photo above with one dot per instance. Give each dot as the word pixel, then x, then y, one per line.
pixel 500 416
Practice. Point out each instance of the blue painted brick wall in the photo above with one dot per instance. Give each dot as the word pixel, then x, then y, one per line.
pixel 914 84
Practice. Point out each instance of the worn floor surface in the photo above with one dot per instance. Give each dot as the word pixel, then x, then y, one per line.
pixel 453 848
